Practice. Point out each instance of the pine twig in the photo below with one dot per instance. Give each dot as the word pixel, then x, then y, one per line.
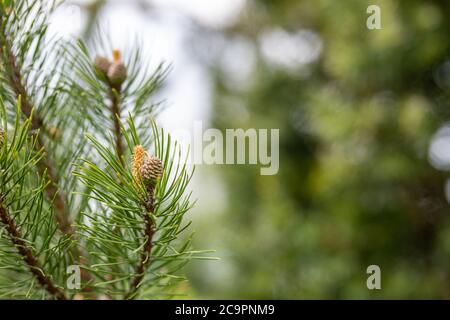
pixel 146 170
pixel 113 73
pixel 149 231
pixel 116 74
pixel 27 255
pixel 15 79
pixel 116 114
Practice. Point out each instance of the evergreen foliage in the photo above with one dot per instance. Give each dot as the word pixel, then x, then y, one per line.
pixel 69 194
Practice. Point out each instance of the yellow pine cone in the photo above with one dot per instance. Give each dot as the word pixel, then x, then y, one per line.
pixel 138 158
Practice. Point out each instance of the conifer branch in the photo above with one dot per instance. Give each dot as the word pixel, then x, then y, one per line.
pixel 149 231
pixel 147 171
pixel 14 78
pixel 133 235
pixel 114 73
pixel 27 255
pixel 127 220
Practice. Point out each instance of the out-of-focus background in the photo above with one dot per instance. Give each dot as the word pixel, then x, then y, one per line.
pixel 364 139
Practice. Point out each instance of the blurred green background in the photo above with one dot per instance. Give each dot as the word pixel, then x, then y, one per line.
pixel 364 147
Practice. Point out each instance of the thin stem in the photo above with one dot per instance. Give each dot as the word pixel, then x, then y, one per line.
pixel 27 255
pixel 149 231
pixel 47 165
pixel 116 114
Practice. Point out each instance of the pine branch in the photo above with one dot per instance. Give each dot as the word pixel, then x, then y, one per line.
pixel 14 77
pixel 23 55
pixel 132 234
pixel 115 74
pixel 29 227
pixel 132 86
pixel 146 171
pixel 128 220
pixel 27 255
pixel 149 231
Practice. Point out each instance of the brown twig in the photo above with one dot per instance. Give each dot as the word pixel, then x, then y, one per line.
pixel 149 231
pixel 114 96
pixel 27 255
pixel 47 165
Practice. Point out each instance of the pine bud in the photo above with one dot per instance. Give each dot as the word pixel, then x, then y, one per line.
pixel 117 55
pixel 117 73
pixel 102 64
pixel 138 158
pixel 151 170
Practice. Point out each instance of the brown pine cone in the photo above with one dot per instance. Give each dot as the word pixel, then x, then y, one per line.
pixel 151 170
pixel 102 64
pixel 117 73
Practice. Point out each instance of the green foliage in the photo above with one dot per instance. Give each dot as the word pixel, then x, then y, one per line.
pixel 67 196
pixel 113 228
pixel 355 185
pixel 22 196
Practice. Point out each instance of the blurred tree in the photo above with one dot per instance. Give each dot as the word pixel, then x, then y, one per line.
pixel 356 110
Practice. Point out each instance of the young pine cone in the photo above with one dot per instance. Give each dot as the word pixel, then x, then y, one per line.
pixel 146 170
pixel 102 64
pixel 151 170
pixel 117 73
pixel 138 159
